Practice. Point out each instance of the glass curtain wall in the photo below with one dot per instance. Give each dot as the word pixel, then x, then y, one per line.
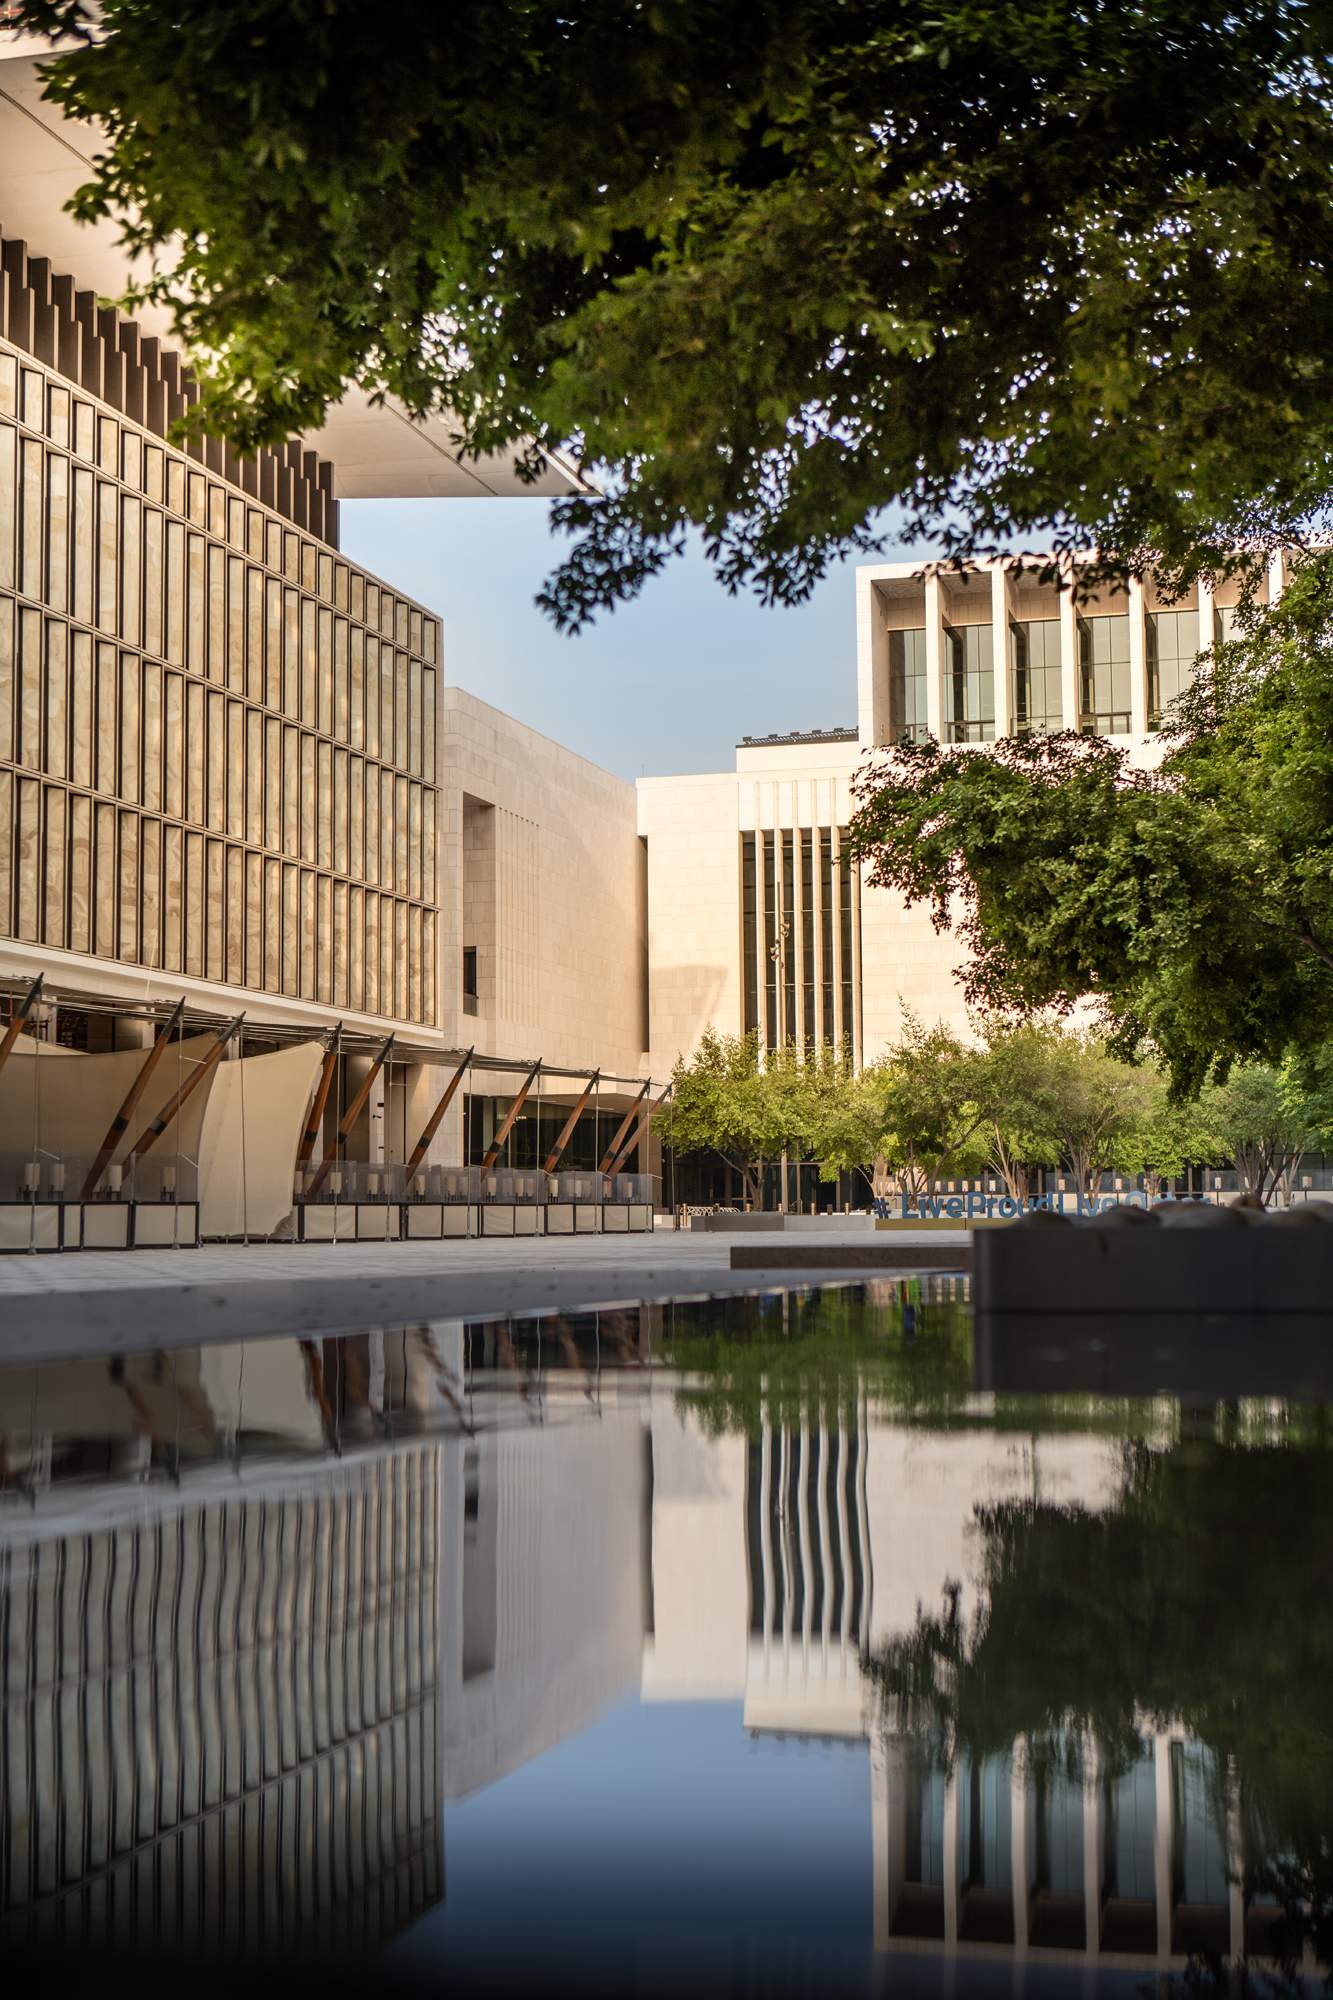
pixel 1173 655
pixel 1034 661
pixel 750 931
pixel 907 686
pixel 1104 675
pixel 796 947
pixel 969 684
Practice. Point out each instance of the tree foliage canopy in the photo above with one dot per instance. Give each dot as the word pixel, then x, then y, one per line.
pixel 1013 269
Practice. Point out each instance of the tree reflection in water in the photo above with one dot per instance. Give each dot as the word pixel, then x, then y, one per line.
pixel 1200 1599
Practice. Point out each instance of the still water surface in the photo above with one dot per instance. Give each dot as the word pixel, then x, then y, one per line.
pixel 735 1645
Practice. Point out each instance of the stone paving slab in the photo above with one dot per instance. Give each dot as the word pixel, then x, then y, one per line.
pixel 108 1302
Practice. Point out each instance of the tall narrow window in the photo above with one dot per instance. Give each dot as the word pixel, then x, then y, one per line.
pixel 969 688
pixel 907 687
pixel 749 933
pixel 1104 675
pixel 1034 660
pixel 770 933
pixel 827 910
pixel 847 890
pixel 808 932
pixel 1173 653
pixel 787 955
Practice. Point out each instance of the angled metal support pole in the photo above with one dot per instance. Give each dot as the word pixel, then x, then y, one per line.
pixel 621 1130
pixel 642 1133
pixel 321 1098
pixel 152 1133
pixel 349 1118
pixel 493 1150
pixel 120 1124
pixel 552 1159
pixel 18 1017
pixel 432 1125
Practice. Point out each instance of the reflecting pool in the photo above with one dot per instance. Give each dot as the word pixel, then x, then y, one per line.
pixel 736 1645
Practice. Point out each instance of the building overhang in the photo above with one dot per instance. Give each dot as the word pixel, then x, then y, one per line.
pixel 378 452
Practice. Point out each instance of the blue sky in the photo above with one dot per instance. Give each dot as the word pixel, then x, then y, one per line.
pixel 669 683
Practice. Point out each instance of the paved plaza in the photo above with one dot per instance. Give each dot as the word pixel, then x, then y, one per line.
pixel 102 1301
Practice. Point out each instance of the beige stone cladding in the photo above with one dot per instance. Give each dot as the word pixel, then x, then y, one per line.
pixel 217 737
pixel 542 875
pixel 691 827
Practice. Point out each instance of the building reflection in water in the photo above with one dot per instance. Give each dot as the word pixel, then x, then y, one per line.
pixel 266 1610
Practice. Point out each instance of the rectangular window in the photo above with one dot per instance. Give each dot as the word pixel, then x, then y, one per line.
pixel 272 782
pixel 150 892
pixel 152 579
pixel 173 896
pixel 827 910
pixel 105 895
pixel 372 953
pixel 235 771
pixel 356 941
pixel 291 654
pixel 108 567
pixel 847 888
pixel 749 934
pixel 255 779
pixel 6 678
pixel 340 944
pixel 291 919
pixel 54 871
pixel 31 646
pixel 291 791
pixel 131 766
pixel 8 499
pixel 356 818
pixel 81 696
pixel 309 689
pixel 307 935
pixel 770 939
pixel 175 592
pixel 324 941
pixel 129 885
pixel 30 532
pixel 80 873
pixel 254 634
pixel 236 618
pixel 152 735
pixel 29 858
pixel 272 643
pixel 194 904
pixel 195 748
pixel 273 926
pixel 216 662
pixel 907 687
pixel 57 531
pixel 1104 675
pixel 324 805
pixel 1173 653
pixel 808 933
pixel 131 569
pixel 1035 702
pixel 969 684
pixel 173 748
pixel 324 674
pixel 57 698
pixel 108 734
pixel 787 939
pixel 254 920
pixel 308 797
